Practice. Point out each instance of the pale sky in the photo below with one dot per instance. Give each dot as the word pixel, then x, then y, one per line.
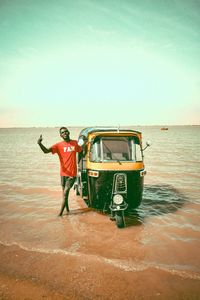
pixel 106 62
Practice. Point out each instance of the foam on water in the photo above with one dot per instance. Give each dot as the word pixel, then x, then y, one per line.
pixel 125 265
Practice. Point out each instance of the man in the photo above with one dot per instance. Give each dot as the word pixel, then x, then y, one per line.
pixel 66 151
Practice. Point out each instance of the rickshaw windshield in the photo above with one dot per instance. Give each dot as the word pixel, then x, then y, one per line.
pixel 115 148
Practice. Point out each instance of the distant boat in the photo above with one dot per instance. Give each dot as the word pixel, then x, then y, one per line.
pixel 164 128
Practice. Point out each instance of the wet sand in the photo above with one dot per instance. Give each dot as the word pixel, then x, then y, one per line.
pixel 95 265
pixel 31 275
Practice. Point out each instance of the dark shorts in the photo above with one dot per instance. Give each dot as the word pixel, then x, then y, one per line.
pixel 67 182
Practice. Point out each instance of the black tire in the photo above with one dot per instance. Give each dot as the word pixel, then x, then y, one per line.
pixel 76 190
pixel 112 216
pixel 120 221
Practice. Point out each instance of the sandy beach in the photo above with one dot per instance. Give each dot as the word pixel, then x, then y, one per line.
pixel 31 275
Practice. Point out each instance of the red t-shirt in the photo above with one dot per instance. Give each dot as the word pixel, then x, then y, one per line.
pixel 67 155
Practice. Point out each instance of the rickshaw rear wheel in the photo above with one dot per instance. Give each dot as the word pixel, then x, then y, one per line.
pixel 120 221
pixel 77 190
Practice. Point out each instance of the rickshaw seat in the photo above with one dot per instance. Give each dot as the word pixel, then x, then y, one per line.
pixel 107 156
pixel 119 156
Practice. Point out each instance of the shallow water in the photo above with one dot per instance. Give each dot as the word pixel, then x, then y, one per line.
pixel 163 233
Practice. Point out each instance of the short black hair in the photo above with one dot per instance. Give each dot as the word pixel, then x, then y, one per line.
pixel 63 127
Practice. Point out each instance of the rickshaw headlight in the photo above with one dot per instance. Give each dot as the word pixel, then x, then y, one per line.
pixel 118 199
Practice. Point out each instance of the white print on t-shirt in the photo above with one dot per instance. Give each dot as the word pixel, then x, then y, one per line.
pixel 69 149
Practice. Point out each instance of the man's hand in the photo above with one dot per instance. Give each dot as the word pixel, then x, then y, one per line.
pixel 40 139
pixel 82 141
pixel 43 148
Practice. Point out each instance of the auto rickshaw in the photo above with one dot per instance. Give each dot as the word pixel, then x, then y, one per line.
pixel 111 170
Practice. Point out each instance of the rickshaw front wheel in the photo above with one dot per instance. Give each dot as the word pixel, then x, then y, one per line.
pixel 119 217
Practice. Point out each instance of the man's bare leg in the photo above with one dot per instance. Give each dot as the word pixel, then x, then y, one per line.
pixel 64 202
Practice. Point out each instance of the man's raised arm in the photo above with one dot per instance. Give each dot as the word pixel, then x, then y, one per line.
pixel 43 148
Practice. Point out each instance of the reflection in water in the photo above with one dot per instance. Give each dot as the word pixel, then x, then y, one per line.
pixel 157 200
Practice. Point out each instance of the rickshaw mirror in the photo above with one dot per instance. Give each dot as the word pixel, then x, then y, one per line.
pixel 148 144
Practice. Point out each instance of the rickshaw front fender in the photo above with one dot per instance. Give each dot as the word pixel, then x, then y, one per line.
pixel 115 207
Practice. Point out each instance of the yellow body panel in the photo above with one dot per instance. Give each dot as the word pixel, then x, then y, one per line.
pixel 114 133
pixel 112 166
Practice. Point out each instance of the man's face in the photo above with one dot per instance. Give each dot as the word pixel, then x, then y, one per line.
pixel 64 133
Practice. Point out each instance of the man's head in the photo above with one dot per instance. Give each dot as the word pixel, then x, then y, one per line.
pixel 64 133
